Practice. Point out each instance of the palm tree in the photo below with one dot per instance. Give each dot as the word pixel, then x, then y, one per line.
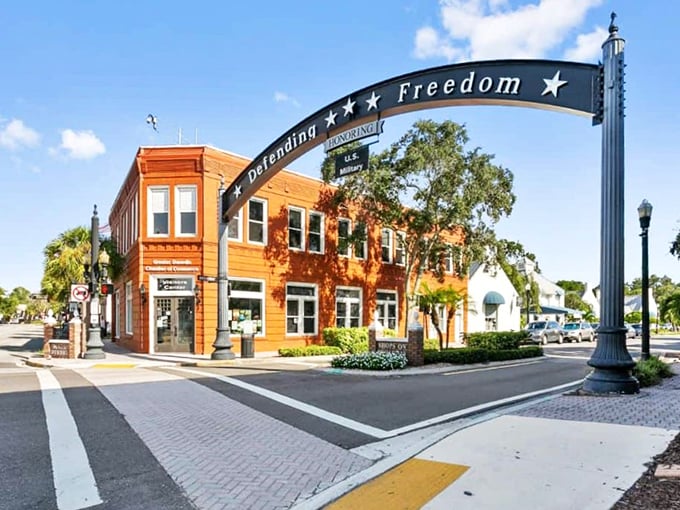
pixel 669 308
pixel 64 259
pixel 432 299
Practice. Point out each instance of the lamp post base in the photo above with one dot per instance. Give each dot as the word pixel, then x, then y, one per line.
pixel 222 346
pixel 603 381
pixel 94 345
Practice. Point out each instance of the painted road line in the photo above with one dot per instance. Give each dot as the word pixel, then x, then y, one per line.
pixel 74 481
pixel 295 404
pixel 407 486
pixel 565 356
pixel 114 365
pixel 368 429
pixel 499 367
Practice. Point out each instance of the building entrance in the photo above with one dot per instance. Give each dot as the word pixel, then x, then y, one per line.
pixel 174 324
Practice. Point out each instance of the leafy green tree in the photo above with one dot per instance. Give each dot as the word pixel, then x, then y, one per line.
pixel 572 299
pixel 430 186
pixel 572 286
pixel 669 308
pixel 431 299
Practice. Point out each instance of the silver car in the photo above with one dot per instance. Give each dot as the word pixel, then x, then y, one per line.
pixel 543 332
pixel 578 331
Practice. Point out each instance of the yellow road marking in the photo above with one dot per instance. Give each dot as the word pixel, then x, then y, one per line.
pixel 408 486
pixel 114 365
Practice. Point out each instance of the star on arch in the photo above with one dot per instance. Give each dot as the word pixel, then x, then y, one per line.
pixel 552 85
pixel 330 120
pixel 373 101
pixel 349 107
pixel 237 191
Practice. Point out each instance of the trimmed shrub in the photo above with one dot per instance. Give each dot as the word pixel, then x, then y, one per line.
pixel 371 361
pixel 431 344
pixel 349 340
pixel 650 371
pixel 497 340
pixel 310 350
pixel 469 355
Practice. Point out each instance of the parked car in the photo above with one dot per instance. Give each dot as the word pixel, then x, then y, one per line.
pixel 543 332
pixel 578 331
pixel 638 329
pixel 630 331
pixel 595 325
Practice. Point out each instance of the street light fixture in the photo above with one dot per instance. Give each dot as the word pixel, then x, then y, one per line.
pixel 93 272
pixel 645 215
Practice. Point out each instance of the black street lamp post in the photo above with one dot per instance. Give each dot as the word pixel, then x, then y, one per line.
pixel 93 272
pixel 527 288
pixel 645 215
pixel 222 342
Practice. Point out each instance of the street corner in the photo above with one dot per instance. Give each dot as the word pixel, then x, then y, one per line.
pixel 411 484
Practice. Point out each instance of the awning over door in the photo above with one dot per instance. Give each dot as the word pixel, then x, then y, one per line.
pixel 493 298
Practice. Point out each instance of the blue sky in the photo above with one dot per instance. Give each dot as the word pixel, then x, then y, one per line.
pixel 80 78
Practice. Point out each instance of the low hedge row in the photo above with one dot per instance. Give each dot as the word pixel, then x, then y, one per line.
pixel 310 350
pixel 467 355
pixel 497 340
pixel 351 340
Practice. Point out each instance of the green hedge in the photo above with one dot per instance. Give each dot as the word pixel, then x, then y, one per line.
pixel 468 355
pixel 650 371
pixel 497 340
pixel 371 361
pixel 349 340
pixel 310 350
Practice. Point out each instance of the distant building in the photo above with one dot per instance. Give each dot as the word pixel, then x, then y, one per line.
pixel 493 301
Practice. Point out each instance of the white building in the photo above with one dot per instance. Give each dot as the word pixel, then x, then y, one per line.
pixel 493 303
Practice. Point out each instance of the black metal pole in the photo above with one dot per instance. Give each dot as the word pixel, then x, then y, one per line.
pixel 94 346
pixel 644 354
pixel 527 305
pixel 222 342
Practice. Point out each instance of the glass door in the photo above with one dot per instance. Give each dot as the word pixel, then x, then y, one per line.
pixel 174 324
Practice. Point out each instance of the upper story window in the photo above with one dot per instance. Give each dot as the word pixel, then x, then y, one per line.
pixel 361 242
pixel 448 259
pixel 296 228
pixel 315 237
pixel 234 227
pixel 400 249
pixel 185 211
pixel 386 245
pixel 344 228
pixel 257 221
pixel 158 211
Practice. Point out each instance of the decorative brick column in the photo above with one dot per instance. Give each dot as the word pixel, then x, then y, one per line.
pixel 48 334
pixel 375 330
pixel 415 345
pixel 75 327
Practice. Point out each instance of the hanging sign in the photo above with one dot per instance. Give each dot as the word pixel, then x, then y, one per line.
pixel 351 161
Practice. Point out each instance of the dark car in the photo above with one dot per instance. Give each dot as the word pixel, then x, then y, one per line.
pixel 638 329
pixel 543 332
pixel 578 331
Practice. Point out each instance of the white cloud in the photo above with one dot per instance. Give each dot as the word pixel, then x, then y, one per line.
pixel 491 29
pixel 16 135
pixel 588 46
pixel 80 144
pixel 282 97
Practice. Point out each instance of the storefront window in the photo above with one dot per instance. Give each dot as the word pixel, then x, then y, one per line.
pixel 246 303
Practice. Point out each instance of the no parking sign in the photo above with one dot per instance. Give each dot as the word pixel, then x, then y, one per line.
pixel 79 292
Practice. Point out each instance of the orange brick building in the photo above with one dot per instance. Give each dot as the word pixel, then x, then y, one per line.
pixel 289 276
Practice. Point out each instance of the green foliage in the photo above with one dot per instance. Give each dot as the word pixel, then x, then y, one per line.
pixel 371 361
pixel 572 286
pixel 9 302
pixel 310 350
pixel 349 340
pixel 431 344
pixel 633 317
pixel 497 340
pixel 431 299
pixel 469 355
pixel 650 371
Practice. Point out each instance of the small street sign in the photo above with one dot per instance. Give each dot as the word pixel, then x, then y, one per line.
pixel 80 292
pixel 209 279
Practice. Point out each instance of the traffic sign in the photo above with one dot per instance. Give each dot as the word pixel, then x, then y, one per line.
pixel 80 292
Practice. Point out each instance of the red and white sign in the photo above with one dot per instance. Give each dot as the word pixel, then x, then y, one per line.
pixel 79 292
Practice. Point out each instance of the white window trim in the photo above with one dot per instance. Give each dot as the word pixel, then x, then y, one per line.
pixel 265 221
pixel 129 316
pixel 390 246
pixel 178 211
pixel 399 235
pixel 239 226
pixel 396 305
pixel 149 206
pixel 364 243
pixel 349 300
pixel 322 235
pixel 302 228
pixel 252 295
pixel 302 298
pixel 349 231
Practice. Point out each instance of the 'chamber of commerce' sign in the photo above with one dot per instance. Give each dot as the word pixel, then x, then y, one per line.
pixel 350 162
pixel 556 85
